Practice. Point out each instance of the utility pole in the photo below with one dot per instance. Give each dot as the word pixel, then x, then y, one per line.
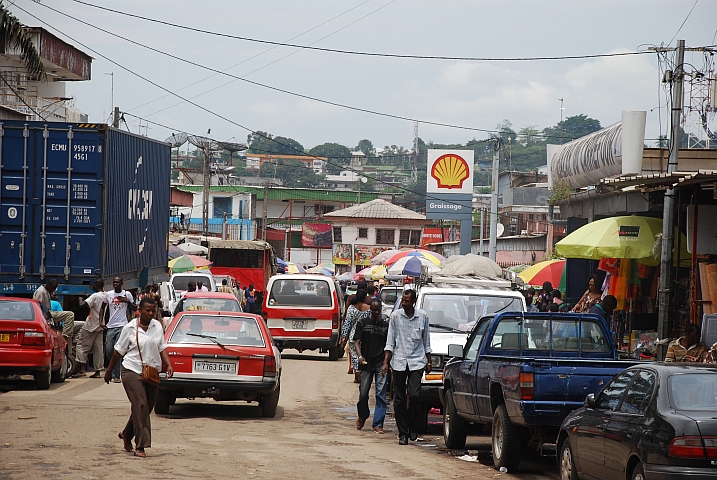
pixel 116 118
pixel 665 290
pixel 492 242
pixel 206 172
pixel 263 210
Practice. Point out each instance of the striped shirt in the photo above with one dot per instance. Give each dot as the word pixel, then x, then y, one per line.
pixel 677 353
pixel 408 340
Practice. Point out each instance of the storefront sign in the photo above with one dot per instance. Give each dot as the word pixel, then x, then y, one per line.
pixel 615 150
pixel 316 235
pixel 364 253
pixel 433 235
pixel 449 206
pixel 342 254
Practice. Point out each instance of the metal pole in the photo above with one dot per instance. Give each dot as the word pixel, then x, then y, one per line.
pixel 116 117
pixel 264 201
pixel 492 244
pixel 207 183
pixel 665 292
pixel 482 228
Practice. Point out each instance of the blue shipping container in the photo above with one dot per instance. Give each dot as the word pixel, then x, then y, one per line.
pixel 82 201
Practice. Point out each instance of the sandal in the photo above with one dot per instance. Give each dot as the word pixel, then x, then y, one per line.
pixel 127 443
pixel 96 374
pixel 140 453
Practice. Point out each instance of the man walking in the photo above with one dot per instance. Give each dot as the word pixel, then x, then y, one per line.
pixel 117 301
pixel 408 350
pixel 91 332
pixel 370 337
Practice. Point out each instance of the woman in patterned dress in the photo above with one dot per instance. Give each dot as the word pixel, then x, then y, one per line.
pixel 357 309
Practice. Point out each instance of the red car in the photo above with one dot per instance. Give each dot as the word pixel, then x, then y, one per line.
pixel 212 301
pixel 221 355
pixel 30 344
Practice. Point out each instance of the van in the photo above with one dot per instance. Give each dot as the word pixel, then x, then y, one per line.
pixel 180 280
pixel 304 312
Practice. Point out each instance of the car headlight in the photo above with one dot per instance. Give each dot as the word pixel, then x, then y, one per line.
pixel 436 362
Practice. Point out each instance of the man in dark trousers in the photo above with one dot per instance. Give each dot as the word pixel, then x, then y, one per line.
pixel 408 350
pixel 370 338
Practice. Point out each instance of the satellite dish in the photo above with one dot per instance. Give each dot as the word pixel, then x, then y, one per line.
pixel 363 179
pixel 499 229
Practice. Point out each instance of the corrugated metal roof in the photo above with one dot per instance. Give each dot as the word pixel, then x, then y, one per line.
pixel 280 193
pixel 654 181
pixel 239 244
pixel 376 209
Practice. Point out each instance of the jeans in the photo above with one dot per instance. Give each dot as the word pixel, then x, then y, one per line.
pixel 113 335
pixel 406 386
pixel 379 413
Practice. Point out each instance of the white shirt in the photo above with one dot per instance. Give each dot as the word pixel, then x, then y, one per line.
pixel 118 310
pixel 203 289
pixel 151 342
pixel 95 302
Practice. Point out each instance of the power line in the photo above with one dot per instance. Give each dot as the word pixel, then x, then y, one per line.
pixel 352 52
pixel 22 99
pixel 683 22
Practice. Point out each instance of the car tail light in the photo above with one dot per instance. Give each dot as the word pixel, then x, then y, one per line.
pixel 527 386
pixel 689 447
pixel 264 315
pixel 35 339
pixel 710 446
pixel 270 366
pixel 335 321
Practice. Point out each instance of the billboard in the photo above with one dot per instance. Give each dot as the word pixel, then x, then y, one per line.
pixel 449 171
pixel 316 235
pixel 343 254
pixel 364 253
pixel 615 150
pixel 433 235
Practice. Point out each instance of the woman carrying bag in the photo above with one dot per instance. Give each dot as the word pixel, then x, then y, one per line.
pixel 140 372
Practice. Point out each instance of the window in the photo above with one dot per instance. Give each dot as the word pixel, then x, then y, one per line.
pixel 638 395
pixel 222 206
pixel 385 236
pixel 242 331
pixel 610 396
pixel 337 235
pixel 301 293
pixel 363 233
pixel 462 311
pixel 507 335
pixel 409 237
pixel 404 237
pixel 694 391
pixel 416 237
pixel 472 351
pixel 567 336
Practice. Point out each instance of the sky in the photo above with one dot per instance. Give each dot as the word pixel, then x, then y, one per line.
pixel 472 94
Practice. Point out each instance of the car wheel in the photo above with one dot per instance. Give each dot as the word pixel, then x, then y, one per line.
pixel 454 427
pixel 422 422
pixel 638 473
pixel 334 353
pixel 269 403
pixel 42 379
pixel 59 375
pixel 505 440
pixel 566 462
pixel 161 405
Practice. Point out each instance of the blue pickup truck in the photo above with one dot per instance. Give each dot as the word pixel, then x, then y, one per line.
pixel 524 373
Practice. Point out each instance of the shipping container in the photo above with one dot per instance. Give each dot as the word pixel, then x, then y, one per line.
pixel 81 202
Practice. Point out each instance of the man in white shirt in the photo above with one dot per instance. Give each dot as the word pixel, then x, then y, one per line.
pixel 118 302
pixel 91 332
pixel 201 287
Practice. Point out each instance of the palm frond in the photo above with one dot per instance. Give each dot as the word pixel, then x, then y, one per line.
pixel 13 33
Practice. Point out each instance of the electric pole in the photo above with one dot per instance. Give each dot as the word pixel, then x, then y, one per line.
pixel 206 172
pixel 264 203
pixel 665 290
pixel 116 118
pixel 492 242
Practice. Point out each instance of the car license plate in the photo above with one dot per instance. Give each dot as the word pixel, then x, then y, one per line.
pixel 4 337
pixel 229 368
pixel 299 324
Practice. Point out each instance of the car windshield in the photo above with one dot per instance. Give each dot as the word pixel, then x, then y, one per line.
pixel 694 391
pixel 462 311
pixel 180 283
pixel 301 293
pixel 241 331
pixel 213 304
pixel 390 294
pixel 13 310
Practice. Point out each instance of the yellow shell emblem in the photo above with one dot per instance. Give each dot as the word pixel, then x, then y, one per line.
pixel 450 171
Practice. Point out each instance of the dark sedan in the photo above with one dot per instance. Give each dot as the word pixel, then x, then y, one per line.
pixel 652 421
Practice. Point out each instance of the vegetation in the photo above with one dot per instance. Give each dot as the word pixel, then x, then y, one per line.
pixel 14 35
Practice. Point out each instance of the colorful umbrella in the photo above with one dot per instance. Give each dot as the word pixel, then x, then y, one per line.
pixel 327 266
pixel 471 264
pixel 377 272
pixel 383 256
pixel 552 271
pixel 174 251
pixel 293 268
pixel 186 263
pixel 320 271
pixel 412 266
pixel 433 257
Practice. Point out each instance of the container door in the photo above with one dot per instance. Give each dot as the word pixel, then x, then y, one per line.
pixel 68 190
pixel 16 196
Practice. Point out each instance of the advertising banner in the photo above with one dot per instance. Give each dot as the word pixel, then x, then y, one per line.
pixel 433 235
pixel 343 254
pixel 615 150
pixel 449 206
pixel 364 253
pixel 316 235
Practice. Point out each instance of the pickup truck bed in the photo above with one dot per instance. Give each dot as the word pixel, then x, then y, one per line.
pixel 524 373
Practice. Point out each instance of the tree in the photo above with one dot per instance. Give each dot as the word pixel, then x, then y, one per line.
pixel 13 34
pixel 528 135
pixel 337 154
pixel 262 142
pixel 292 172
pixel 366 147
pixel 506 132
pixel 571 128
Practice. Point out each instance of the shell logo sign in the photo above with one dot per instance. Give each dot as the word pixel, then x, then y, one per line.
pixel 450 171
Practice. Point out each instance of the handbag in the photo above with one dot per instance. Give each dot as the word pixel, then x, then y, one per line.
pixel 150 375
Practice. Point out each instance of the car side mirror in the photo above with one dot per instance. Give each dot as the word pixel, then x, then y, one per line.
pixel 455 351
pixel 590 401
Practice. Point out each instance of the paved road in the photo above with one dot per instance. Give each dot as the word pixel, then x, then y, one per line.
pixel 70 431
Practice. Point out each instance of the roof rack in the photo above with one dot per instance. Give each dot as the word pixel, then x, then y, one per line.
pixel 509 280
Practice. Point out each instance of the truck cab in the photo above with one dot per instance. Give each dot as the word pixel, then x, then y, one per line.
pixel 454 305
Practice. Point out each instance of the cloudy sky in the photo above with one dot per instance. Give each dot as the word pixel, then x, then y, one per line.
pixel 473 94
